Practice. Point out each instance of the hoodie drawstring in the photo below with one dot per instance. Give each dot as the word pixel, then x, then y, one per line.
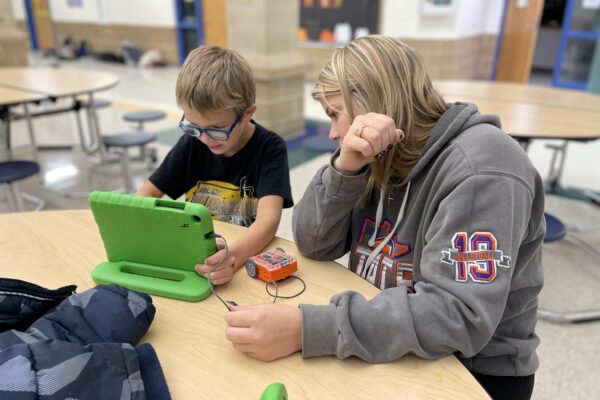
pixel 378 216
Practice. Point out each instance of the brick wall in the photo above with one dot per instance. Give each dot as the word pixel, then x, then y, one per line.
pixel 14 41
pixel 465 58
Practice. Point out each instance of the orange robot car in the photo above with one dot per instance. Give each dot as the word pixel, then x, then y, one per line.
pixel 272 265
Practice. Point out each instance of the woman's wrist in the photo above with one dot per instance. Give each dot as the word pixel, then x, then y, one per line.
pixel 339 166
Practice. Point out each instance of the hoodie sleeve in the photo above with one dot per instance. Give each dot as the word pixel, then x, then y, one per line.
pixel 455 307
pixel 321 220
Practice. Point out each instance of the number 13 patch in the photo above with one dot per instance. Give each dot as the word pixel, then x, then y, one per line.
pixel 476 256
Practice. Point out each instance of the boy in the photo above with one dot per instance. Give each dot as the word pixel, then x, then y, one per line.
pixel 225 160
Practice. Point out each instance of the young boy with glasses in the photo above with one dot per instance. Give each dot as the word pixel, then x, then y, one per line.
pixel 225 160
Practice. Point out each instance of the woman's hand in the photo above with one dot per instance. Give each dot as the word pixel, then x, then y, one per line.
pixel 369 135
pixel 265 331
pixel 222 265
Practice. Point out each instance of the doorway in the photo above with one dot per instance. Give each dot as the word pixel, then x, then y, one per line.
pixel 41 28
pixel 548 42
pixel 518 37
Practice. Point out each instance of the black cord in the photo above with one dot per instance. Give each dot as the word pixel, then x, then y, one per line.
pixel 276 295
pixel 216 267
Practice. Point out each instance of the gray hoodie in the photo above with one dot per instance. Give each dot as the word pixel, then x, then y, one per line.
pixel 457 253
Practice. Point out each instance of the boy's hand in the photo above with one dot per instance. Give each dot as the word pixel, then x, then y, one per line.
pixel 265 331
pixel 222 266
pixel 369 135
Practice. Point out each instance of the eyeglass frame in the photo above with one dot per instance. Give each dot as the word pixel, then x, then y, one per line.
pixel 198 132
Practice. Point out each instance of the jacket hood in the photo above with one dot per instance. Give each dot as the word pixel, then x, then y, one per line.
pixel 457 118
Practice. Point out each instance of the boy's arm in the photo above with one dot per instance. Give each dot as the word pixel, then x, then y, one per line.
pixel 148 189
pixel 254 239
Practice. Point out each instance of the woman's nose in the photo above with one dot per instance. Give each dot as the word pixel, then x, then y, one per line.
pixel 333 134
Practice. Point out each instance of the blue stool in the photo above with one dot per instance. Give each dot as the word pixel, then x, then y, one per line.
pixel 124 141
pixel 10 173
pixel 320 143
pixel 98 103
pixel 140 117
pixel 555 231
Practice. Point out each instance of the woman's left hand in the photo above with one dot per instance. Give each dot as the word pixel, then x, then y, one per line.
pixel 265 331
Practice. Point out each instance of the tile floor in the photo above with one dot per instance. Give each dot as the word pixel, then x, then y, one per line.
pixel 569 354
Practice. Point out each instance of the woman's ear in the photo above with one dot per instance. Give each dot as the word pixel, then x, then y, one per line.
pixel 250 111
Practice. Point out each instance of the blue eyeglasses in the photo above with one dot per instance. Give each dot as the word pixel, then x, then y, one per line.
pixel 215 134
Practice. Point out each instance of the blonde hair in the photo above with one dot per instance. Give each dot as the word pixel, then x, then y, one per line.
pixel 213 78
pixel 383 75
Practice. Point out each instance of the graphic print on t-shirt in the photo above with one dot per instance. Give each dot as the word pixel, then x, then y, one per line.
pixel 386 270
pixel 227 202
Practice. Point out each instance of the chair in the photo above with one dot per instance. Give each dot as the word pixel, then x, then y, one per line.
pixel 10 173
pixel 140 117
pixel 320 143
pixel 124 141
pixel 555 231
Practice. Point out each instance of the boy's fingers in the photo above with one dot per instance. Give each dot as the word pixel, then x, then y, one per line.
pixel 215 258
pixel 215 274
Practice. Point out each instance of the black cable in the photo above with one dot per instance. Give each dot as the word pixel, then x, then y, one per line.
pixel 216 267
pixel 276 295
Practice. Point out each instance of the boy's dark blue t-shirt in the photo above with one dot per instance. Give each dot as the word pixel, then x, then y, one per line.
pixel 228 186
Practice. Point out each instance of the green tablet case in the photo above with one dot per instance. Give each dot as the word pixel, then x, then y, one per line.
pixel 153 244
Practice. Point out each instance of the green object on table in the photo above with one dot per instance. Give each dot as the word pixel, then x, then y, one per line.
pixel 275 391
pixel 152 245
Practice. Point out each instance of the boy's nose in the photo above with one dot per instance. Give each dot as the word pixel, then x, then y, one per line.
pixel 205 139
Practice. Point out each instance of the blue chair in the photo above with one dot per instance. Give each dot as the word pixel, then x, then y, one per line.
pixel 556 231
pixel 124 141
pixel 139 138
pixel 320 143
pixel 140 117
pixel 10 173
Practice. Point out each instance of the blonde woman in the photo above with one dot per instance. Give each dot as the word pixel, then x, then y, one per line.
pixel 438 207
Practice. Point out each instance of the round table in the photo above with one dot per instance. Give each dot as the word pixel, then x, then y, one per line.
pixel 57 248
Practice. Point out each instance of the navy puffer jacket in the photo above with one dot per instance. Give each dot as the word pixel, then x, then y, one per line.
pixel 84 349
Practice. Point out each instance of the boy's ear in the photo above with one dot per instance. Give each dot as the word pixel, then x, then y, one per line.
pixel 250 111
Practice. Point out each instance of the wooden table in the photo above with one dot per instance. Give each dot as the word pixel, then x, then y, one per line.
pixel 520 93
pixel 528 121
pixel 56 82
pixel 56 248
pixel 10 97
pixel 52 84
pixel 529 112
